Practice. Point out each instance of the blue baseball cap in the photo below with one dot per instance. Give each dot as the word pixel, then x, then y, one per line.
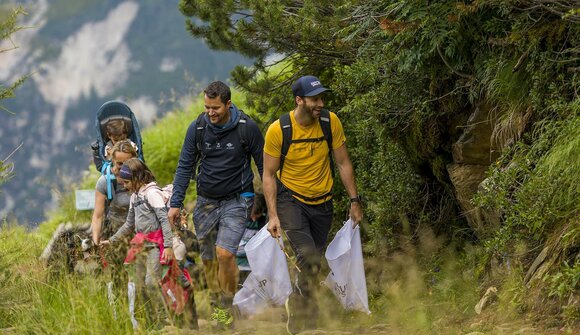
pixel 308 86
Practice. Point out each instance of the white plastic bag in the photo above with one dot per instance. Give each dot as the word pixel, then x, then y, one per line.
pixel 179 249
pixel 269 280
pixel 248 300
pixel 347 275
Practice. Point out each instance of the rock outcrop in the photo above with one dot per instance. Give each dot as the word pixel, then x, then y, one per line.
pixel 472 154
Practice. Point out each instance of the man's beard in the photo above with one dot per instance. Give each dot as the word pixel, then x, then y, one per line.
pixel 310 111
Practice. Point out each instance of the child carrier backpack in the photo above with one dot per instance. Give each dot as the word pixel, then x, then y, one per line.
pixel 113 110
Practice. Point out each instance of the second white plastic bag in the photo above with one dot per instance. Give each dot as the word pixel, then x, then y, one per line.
pixel 347 278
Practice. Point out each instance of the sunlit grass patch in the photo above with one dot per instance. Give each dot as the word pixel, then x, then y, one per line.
pixel 416 291
pixel 72 305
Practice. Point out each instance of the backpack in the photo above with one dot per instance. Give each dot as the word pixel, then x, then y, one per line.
pixel 112 110
pixel 179 247
pixel 286 125
pixel 166 193
pixel 201 126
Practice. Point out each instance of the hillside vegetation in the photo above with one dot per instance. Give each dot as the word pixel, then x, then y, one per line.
pixel 462 119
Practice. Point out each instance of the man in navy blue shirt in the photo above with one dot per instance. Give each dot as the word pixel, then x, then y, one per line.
pixel 221 142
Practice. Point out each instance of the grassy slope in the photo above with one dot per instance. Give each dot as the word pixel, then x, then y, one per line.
pixel 71 304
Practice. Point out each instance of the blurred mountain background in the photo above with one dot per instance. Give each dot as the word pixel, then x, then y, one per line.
pixel 80 54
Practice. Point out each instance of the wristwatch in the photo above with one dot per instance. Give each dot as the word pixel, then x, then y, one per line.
pixel 357 198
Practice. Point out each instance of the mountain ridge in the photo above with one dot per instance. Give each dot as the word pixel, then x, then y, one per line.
pixel 81 57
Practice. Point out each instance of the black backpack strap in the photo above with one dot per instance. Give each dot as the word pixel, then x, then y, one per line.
pixel 327 132
pixel 200 126
pixel 243 132
pixel 286 126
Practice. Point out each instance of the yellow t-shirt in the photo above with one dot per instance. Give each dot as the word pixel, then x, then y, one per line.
pixel 306 168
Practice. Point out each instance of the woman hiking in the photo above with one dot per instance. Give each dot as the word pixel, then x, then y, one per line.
pixel 109 215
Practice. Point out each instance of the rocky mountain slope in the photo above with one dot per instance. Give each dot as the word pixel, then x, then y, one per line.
pixel 81 54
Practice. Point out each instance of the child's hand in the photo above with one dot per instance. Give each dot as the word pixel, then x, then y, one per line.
pixel 167 254
pixel 104 243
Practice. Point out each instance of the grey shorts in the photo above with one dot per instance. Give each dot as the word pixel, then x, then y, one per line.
pixel 220 223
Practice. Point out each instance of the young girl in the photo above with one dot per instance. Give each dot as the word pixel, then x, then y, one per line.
pixel 152 245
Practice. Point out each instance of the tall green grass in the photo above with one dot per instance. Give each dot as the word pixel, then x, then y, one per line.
pixel 71 305
pixel 35 301
pixel 16 256
pixel 409 292
pixel 162 142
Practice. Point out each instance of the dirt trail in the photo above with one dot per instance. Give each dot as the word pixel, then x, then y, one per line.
pixel 277 326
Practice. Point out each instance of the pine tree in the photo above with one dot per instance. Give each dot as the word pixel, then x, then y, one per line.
pixel 8 27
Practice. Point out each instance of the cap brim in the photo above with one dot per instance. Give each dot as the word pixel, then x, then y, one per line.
pixel 316 91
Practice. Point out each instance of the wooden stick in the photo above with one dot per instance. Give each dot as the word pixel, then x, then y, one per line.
pixel 285 253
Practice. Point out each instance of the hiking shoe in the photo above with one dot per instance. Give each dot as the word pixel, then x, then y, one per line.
pixel 293 324
pixel 236 313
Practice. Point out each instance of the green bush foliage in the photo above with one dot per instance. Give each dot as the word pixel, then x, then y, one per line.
pixel 406 76
pixel 535 188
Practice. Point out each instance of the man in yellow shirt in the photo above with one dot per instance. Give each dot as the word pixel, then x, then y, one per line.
pixel 298 188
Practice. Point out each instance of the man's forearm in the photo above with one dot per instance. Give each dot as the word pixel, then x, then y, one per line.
pixel 185 168
pixel 270 190
pixel 346 172
pixel 180 185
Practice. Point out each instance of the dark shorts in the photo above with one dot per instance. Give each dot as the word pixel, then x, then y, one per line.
pixel 220 223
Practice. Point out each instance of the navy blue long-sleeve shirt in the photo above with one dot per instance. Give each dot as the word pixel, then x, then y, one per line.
pixel 226 167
